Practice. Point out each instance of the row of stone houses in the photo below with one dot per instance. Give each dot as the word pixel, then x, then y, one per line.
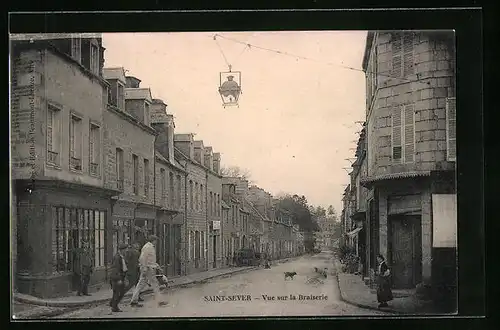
pixel 401 200
pixel 95 157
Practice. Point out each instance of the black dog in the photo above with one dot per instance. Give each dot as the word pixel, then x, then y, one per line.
pixel 290 275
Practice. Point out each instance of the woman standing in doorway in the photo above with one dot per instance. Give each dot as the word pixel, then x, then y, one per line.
pixel 384 293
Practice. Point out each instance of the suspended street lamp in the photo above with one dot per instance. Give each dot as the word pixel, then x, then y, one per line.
pixel 229 82
pixel 230 87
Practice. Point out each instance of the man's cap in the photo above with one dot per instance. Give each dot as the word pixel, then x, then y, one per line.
pixel 123 246
pixel 152 238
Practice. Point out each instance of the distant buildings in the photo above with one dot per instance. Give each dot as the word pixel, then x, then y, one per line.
pixel 401 201
pixel 96 157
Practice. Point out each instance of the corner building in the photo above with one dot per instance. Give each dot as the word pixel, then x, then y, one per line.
pixel 411 152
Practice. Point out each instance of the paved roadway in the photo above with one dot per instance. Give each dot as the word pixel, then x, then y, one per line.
pixel 196 301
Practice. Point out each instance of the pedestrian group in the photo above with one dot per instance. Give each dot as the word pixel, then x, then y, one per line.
pixel 130 268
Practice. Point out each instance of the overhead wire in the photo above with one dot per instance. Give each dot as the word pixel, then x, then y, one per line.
pixel 315 60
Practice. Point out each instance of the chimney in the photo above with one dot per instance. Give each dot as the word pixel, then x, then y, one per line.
pixel 164 124
pixel 185 143
pixel 209 158
pixel 132 82
pixel 216 168
pixel 199 151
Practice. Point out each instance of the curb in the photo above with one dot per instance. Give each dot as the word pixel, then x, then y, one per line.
pixel 62 304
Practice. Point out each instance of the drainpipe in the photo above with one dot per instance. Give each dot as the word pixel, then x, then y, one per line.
pixel 207 225
pixel 186 233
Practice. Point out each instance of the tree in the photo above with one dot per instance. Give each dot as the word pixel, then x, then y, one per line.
pixel 237 172
pixel 300 211
pixel 331 211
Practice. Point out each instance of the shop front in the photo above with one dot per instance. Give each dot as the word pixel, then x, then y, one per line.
pixel 54 218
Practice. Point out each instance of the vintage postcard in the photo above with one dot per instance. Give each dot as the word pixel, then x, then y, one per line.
pixel 233 174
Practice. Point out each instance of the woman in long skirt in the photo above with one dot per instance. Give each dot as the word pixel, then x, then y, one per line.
pixel 384 293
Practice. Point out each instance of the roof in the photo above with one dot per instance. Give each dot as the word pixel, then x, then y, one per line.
pixel 138 94
pixel 368 47
pixel 394 176
pixel 174 163
pixel 114 73
pixel 187 137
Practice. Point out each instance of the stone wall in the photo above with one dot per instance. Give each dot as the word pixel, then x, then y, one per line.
pixel 427 89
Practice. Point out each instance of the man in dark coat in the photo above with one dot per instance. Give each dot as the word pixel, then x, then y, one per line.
pixel 118 277
pixel 83 267
pixel 132 259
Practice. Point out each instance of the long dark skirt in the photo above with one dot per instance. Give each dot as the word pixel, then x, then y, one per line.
pixel 384 293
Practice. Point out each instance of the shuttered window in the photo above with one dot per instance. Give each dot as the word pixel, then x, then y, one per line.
pixel 396 55
pixel 409 131
pixel 451 129
pixel 396 134
pixel 402 54
pixel 403 134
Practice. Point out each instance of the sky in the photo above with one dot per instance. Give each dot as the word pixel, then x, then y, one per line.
pixel 295 124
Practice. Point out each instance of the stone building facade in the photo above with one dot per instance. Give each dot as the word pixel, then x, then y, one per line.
pixel 411 148
pixel 58 103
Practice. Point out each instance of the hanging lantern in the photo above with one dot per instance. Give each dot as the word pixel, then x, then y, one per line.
pixel 230 87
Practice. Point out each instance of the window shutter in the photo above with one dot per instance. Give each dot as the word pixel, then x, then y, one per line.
pixel 396 55
pixel 396 133
pixel 409 131
pixel 92 143
pixel 408 62
pixel 50 119
pixel 72 137
pixel 451 129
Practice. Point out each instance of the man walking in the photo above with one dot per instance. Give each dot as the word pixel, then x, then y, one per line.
pixel 83 267
pixel 118 277
pixel 148 267
pixel 133 273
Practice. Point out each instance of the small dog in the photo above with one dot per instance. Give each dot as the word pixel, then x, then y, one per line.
pixel 290 275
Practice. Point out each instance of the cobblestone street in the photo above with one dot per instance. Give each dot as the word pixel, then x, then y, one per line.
pixel 192 301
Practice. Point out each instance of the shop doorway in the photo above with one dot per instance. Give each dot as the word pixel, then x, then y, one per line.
pixel 405 246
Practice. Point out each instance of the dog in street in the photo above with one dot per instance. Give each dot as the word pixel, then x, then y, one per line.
pixel 290 275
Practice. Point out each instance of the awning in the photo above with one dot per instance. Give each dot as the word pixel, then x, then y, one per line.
pixel 354 232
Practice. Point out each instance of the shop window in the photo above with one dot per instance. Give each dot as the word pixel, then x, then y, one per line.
pixel 69 227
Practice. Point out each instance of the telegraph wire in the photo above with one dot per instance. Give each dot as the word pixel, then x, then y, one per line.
pixel 313 60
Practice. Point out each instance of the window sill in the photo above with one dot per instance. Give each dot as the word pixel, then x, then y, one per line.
pixel 54 166
pixel 75 171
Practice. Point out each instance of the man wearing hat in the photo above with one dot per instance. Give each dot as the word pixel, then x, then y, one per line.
pixel 83 266
pixel 118 277
pixel 148 267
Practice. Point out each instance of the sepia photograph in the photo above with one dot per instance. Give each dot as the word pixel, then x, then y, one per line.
pixel 233 174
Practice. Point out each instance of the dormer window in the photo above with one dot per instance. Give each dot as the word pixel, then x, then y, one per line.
pixel 116 95
pixel 94 57
pixel 76 49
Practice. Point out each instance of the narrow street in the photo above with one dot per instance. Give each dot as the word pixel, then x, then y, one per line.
pixel 194 301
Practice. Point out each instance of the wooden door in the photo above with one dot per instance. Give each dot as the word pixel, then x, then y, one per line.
pixel 405 251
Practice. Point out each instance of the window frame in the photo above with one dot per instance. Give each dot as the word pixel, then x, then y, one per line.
pixel 135 174
pixel 54 151
pixel 76 52
pixel 94 154
pixel 70 221
pixel 146 174
pixel 120 168
pixel 94 64
pixel 74 138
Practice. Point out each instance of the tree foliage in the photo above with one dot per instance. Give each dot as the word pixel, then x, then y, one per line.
pixel 300 211
pixel 236 172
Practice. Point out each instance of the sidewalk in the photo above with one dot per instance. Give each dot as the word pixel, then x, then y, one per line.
pixel 29 307
pixel 26 306
pixel 354 291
